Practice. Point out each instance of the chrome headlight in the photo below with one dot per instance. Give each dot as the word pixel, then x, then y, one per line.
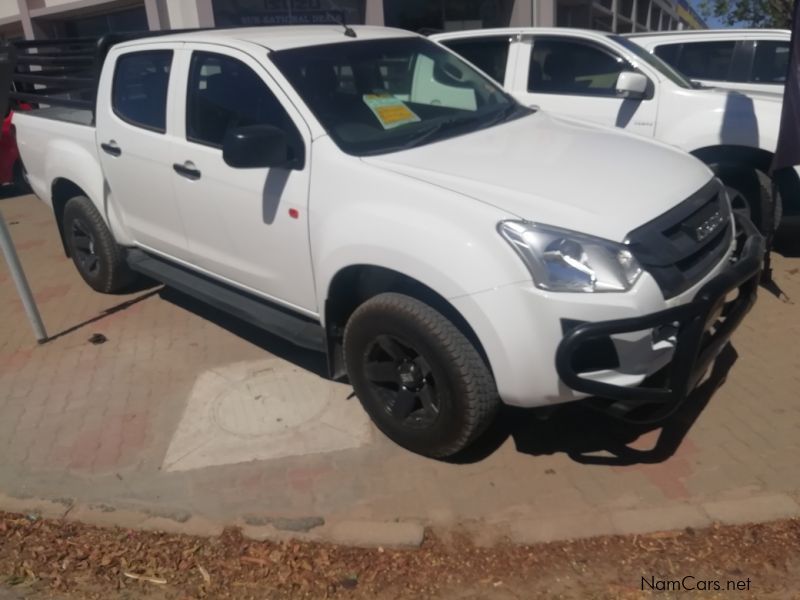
pixel 565 261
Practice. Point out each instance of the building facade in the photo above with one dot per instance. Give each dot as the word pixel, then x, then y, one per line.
pixel 39 19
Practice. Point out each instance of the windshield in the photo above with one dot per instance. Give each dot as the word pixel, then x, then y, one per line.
pixel 654 62
pixel 379 96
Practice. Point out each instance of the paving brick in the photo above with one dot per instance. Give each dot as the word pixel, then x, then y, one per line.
pixel 666 518
pixel 562 527
pixel 50 509
pixel 372 534
pixel 196 526
pixel 103 515
pixel 755 509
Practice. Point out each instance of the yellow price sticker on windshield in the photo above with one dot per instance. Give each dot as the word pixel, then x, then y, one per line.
pixel 390 111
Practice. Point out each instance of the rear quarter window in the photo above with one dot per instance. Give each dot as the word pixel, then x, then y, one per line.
pixel 770 62
pixel 141 82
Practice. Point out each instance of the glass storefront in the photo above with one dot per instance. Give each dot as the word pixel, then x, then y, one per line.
pixel 132 19
pixel 232 13
pixel 447 15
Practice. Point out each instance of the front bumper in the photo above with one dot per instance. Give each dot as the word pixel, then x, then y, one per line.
pixel 701 329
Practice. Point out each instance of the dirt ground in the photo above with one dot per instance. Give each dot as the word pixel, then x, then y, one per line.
pixel 54 559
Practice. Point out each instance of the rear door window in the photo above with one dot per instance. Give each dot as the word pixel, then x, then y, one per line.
pixel 141 83
pixel 771 62
pixel 490 54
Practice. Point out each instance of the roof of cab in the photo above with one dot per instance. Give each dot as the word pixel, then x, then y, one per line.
pixel 282 37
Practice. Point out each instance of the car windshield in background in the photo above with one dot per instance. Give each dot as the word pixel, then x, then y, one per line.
pixel 380 96
pixel 654 62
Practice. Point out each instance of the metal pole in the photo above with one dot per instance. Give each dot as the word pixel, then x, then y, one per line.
pixel 18 276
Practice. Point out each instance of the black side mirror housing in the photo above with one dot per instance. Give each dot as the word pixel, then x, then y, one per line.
pixel 258 147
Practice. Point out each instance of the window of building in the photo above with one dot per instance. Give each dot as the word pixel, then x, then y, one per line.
pixel 225 93
pixel 642 9
pixel 231 13
pixel 573 67
pixel 574 13
pixel 771 64
pixel 655 17
pixel 447 15
pixel 490 54
pixel 141 81
pixel 602 20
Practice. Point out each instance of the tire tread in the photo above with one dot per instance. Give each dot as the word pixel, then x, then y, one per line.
pixel 474 375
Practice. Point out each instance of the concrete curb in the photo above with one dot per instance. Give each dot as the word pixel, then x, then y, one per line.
pixel 371 534
pixel 407 534
pixel 676 517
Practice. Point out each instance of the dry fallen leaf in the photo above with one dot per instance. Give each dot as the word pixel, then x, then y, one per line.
pixel 204 574
pixel 155 580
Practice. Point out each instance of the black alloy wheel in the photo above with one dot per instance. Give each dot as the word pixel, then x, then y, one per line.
pixel 83 244
pixel 404 380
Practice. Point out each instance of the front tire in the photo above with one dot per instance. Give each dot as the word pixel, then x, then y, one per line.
pixel 419 378
pixel 750 194
pixel 97 256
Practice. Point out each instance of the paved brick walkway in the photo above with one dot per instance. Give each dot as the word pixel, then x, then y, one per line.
pixel 88 428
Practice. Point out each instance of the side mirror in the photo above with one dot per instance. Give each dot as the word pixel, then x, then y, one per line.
pixel 632 85
pixel 257 147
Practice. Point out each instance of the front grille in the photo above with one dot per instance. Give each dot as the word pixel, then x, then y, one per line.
pixel 681 246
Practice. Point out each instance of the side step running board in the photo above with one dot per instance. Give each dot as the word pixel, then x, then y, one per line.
pixel 298 329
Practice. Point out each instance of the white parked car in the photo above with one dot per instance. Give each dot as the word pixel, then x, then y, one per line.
pixel 750 60
pixel 368 194
pixel 609 80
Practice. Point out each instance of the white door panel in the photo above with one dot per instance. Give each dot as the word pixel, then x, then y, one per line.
pixel 576 78
pixel 133 135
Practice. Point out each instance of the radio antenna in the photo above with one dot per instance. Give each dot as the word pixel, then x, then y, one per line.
pixel 348 31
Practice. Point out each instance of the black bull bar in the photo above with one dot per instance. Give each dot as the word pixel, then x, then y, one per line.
pixel 704 326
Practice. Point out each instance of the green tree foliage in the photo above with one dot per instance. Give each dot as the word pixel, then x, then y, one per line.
pixel 750 13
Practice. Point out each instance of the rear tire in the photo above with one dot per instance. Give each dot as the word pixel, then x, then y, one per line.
pixel 97 256
pixel 419 378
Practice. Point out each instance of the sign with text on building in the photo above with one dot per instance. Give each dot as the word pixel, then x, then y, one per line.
pixel 286 12
pixel 294 18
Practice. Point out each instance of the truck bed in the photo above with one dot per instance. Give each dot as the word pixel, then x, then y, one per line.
pixel 77 116
pixel 51 140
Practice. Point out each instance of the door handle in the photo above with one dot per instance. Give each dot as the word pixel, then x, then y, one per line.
pixel 111 148
pixel 187 170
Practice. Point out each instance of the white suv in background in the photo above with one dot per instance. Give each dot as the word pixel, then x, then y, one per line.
pixel 750 60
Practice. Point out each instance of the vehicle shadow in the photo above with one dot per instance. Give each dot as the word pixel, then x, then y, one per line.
pixel 787 240
pixel 591 437
pixel 305 359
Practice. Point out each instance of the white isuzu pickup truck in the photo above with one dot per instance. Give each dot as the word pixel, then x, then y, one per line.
pixel 611 80
pixel 366 193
